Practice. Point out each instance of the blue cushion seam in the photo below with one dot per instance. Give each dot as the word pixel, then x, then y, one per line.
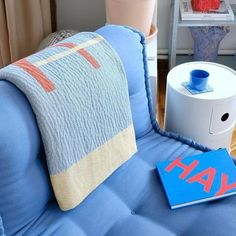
pixel 154 123
pixel 146 76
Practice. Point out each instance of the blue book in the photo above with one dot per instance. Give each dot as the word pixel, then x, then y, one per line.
pixel 199 178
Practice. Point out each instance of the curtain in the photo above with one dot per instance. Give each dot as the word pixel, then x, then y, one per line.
pixel 23 24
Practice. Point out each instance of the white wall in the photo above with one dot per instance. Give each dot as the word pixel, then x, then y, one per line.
pixel 90 14
pixel 80 14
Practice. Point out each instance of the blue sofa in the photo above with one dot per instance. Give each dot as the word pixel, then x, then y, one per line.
pixel 131 201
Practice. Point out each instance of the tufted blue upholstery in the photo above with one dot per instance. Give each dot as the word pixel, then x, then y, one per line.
pixel 130 202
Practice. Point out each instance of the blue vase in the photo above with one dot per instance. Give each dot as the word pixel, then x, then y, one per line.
pixel 207 41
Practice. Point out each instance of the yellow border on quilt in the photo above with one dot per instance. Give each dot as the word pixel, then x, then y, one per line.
pixel 72 186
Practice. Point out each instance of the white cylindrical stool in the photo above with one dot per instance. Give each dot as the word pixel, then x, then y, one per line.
pixel 207 118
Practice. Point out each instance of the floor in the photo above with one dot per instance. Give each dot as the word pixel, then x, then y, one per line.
pixel 162 74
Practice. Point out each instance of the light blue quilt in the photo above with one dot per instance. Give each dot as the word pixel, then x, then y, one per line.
pixel 78 91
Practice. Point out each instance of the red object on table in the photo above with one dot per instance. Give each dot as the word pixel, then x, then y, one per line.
pixel 205 5
pixel 215 4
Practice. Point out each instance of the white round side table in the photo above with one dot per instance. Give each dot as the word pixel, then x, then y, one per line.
pixel 207 118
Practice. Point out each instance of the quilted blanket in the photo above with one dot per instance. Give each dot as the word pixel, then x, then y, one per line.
pixel 79 94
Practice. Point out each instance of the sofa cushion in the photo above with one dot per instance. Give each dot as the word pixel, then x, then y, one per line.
pixel 130 46
pixel 132 202
pixel 24 187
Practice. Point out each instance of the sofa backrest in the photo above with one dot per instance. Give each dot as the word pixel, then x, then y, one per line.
pixel 24 183
pixel 130 46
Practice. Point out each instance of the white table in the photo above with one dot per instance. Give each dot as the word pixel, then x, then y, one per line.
pixel 207 118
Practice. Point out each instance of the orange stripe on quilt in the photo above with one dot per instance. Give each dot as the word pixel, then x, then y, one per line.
pixel 36 73
pixel 82 52
pixel 66 45
pixel 89 58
